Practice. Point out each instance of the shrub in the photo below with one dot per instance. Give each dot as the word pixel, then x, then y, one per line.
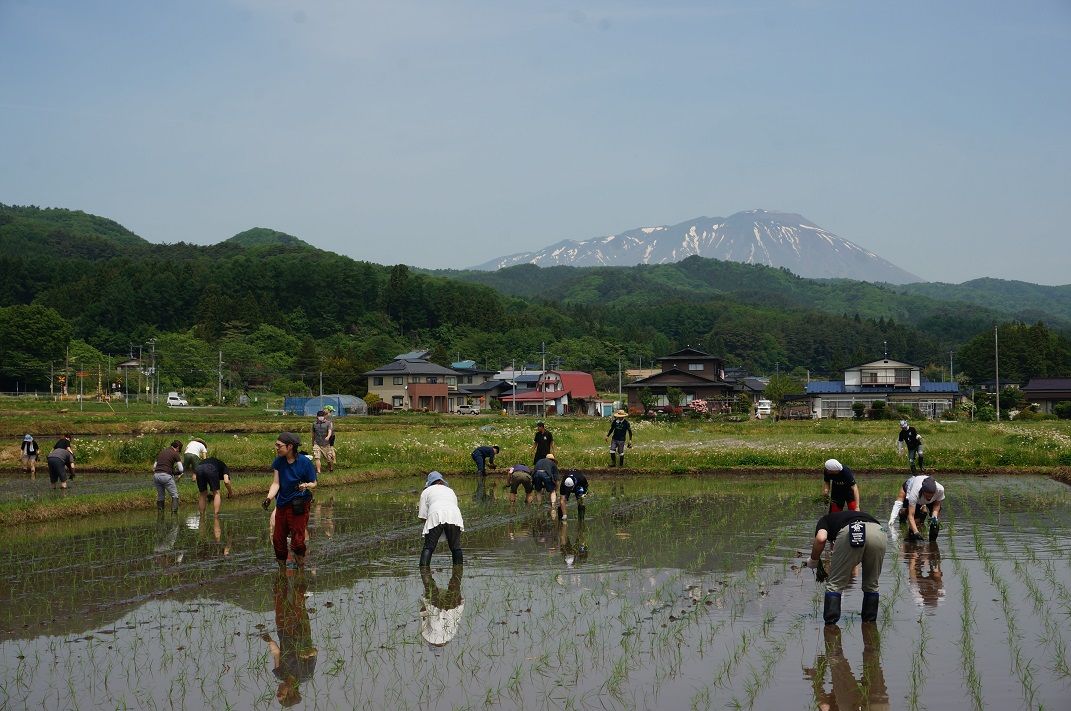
pixel 139 450
pixel 859 409
pixel 1062 410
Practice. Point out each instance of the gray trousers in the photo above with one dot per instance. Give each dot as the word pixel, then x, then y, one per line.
pixel 871 555
pixel 164 482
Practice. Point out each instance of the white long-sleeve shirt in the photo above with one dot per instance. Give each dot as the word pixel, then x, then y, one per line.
pixel 914 491
pixel 438 504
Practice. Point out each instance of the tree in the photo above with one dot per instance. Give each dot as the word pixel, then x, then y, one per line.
pixel 31 339
pixel 779 386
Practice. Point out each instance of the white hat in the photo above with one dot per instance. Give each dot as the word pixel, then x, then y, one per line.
pixel 832 465
pixel 903 423
pixel 568 481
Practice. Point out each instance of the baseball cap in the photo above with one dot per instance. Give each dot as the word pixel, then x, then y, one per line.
pixel 290 438
pixel 929 485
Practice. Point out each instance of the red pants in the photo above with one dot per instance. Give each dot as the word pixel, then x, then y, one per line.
pixel 289 524
pixel 834 507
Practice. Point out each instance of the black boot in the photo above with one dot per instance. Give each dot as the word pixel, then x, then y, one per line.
pixel 425 558
pixel 160 506
pixel 935 528
pixel 459 558
pixel 831 612
pixel 613 459
pixel 870 607
pixel 580 512
pixel 621 461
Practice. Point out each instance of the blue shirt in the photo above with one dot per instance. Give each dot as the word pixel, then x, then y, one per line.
pixel 290 475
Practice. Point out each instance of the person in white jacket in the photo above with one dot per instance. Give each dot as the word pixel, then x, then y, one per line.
pixel 921 494
pixel 440 512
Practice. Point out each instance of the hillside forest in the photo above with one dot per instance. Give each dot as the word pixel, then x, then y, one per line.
pixel 265 310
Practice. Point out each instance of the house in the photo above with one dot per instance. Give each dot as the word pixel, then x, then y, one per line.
pixel 560 391
pixel 412 382
pixel 699 375
pixel 1046 392
pixel 891 381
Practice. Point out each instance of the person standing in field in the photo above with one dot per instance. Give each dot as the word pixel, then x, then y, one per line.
pixel 619 430
pixel 859 539
pixel 923 496
pixel 29 451
pixel 60 464
pixel 441 515
pixel 293 479
pixel 910 438
pixel 196 452
pixel 208 475
pixel 484 458
pixel 163 475
pixel 323 431
pixel 542 443
pixel 545 478
pixel 839 485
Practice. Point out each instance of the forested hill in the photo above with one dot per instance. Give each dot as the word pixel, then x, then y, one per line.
pixel 280 310
pixel 1024 300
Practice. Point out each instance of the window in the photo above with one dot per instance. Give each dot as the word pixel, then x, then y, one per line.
pixel 399 380
pixel 415 379
pixel 432 379
pixel 903 376
pixel 377 380
pixel 396 401
pixel 695 366
pixel 451 380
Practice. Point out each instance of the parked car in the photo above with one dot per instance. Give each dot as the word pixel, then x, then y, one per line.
pixel 763 409
pixel 468 409
pixel 175 400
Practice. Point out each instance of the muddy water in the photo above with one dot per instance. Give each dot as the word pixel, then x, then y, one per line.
pixel 675 593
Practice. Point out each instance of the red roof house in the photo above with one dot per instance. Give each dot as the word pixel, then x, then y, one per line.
pixel 558 391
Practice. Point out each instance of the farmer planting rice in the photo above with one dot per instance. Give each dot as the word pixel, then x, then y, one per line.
pixel 29 450
pixel 293 479
pixel 208 475
pixel 484 458
pixel 196 452
pixel 519 475
pixel 573 483
pixel 163 474
pixel 838 484
pixel 441 515
pixel 61 464
pixel 923 496
pixel 619 430
pixel 545 478
pixel 857 538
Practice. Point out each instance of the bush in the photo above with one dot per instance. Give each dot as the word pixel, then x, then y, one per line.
pixel 1062 410
pixel 140 450
pixel 859 409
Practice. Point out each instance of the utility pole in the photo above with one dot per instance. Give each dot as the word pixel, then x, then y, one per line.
pixel 543 379
pixel 80 371
pixel 620 390
pixel 951 377
pixel 219 374
pixel 152 373
pixel 513 379
pixel 51 379
pixel 321 383
pixel 996 367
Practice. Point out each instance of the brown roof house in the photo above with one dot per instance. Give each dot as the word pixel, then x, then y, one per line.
pixel 1046 392
pixel 699 375
pixel 412 382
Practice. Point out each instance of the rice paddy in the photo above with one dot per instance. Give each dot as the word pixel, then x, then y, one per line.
pixel 673 593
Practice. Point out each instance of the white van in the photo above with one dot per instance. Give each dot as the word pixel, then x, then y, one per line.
pixel 763 409
pixel 174 400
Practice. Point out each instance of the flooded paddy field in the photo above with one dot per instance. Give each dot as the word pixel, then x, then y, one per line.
pixel 673 593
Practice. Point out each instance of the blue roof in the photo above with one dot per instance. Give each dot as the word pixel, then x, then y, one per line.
pixel 831 387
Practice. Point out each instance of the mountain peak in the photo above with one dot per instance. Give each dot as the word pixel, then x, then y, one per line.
pixel 776 239
pixel 263 236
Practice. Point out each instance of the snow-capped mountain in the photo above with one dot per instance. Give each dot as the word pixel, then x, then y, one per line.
pixel 776 239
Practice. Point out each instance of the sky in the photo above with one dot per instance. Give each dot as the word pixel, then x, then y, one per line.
pixel 442 134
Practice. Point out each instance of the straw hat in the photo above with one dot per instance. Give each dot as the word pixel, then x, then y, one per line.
pixel 620 413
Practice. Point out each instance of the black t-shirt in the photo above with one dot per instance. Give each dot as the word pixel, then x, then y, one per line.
pixel 212 467
pixel 840 485
pixel 910 436
pixel 833 522
pixel 619 428
pixel 543 440
pixel 579 481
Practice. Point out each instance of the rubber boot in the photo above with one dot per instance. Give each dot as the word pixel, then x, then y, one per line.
pixel 160 506
pixel 174 506
pixel 580 512
pixel 459 557
pixel 425 558
pixel 613 459
pixel 935 528
pixel 870 607
pixel 621 461
pixel 831 611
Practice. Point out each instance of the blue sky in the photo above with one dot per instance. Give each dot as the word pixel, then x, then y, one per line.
pixel 443 134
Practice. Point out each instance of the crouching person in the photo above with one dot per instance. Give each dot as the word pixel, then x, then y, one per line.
pixel 294 478
pixel 858 539
pixel 441 515
pixel 573 483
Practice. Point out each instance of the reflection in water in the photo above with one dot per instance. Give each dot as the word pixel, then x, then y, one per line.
pixel 484 493
pixel 924 573
pixel 323 517
pixel 866 692
pixel 574 549
pixel 441 610
pixel 293 658
pixel 166 534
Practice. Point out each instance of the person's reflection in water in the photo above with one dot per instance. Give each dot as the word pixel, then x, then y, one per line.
pixel 294 656
pixel 441 610
pixel 167 530
pixel 574 550
pixel 323 516
pixel 866 692
pixel 924 573
pixel 484 493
